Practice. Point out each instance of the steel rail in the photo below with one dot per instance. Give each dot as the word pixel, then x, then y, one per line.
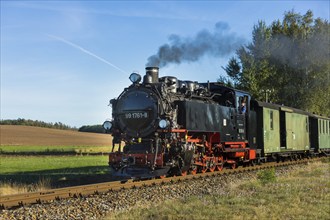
pixel 17 200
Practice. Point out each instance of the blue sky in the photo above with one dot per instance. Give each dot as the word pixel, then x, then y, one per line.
pixel 62 61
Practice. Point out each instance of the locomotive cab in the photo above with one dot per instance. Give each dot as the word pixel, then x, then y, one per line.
pixel 234 120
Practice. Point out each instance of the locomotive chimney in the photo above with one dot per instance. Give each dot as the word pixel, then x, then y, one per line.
pixel 151 75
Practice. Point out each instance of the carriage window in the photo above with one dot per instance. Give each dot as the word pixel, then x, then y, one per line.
pixel 271 118
pixel 323 126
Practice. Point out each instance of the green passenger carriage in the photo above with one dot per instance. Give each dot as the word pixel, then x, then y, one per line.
pixel 284 132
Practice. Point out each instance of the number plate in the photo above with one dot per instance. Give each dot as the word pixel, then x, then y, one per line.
pixel 136 115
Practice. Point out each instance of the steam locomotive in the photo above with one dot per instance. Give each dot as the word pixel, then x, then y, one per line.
pixel 174 127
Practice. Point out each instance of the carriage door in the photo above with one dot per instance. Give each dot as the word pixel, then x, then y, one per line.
pixel 287 134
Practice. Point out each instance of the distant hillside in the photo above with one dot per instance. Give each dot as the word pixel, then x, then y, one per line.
pixel 37 136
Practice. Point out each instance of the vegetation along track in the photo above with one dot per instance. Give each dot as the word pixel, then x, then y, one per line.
pixel 47 196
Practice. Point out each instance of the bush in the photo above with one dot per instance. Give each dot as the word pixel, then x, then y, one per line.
pixel 266 176
pixel 92 128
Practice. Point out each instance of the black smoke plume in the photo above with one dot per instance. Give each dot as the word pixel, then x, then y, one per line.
pixel 220 43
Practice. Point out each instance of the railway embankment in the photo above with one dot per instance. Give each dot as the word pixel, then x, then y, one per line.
pixel 236 195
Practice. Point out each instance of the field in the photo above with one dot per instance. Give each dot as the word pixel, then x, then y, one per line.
pixel 30 173
pixel 17 165
pixel 18 139
pixel 21 172
pixel 303 193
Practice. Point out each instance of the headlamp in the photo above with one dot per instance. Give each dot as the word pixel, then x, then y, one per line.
pixel 163 123
pixel 107 125
pixel 135 78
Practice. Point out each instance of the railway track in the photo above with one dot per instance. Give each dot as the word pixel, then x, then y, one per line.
pixel 47 196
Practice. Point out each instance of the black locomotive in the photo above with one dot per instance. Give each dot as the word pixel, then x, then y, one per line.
pixel 174 127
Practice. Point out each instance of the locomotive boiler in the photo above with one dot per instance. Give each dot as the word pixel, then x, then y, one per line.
pixel 174 127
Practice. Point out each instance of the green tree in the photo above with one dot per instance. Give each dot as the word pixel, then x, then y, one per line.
pixel 289 59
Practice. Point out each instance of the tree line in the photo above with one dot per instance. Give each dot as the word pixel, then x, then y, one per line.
pixel 287 61
pixel 36 123
pixel 56 125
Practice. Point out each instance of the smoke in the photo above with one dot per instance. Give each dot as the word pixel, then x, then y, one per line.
pixel 86 52
pixel 299 53
pixel 218 43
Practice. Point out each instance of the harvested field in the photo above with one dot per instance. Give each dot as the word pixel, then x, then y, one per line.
pixel 16 135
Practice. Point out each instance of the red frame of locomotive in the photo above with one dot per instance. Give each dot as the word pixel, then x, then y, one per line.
pixel 216 155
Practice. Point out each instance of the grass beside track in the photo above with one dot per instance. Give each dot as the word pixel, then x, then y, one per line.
pixel 48 164
pixel 30 173
pixel 300 194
